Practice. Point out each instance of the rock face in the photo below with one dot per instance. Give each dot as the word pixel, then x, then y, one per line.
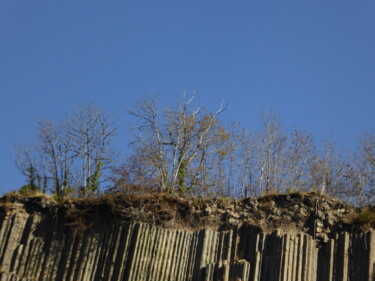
pixel 39 246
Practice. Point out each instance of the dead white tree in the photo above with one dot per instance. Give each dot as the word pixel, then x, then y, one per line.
pixel 91 132
pixel 174 143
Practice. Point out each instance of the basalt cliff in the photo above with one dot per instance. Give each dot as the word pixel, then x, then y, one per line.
pixel 287 237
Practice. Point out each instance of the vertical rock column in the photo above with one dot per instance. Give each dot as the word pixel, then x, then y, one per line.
pixel 12 226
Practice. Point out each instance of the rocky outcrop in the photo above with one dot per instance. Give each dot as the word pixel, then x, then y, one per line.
pixel 40 245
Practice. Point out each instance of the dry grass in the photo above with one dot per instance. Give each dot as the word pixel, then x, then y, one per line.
pixel 35 194
pixel 172 211
pixel 29 200
pixel 161 209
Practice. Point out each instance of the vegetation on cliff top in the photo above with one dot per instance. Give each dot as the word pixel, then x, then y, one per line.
pixel 188 151
pixel 312 213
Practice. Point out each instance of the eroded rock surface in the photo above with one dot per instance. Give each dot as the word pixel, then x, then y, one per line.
pixel 283 238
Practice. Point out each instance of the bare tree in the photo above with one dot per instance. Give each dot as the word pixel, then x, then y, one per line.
pixel 246 165
pixel 328 168
pixel 32 167
pixel 91 132
pixel 300 152
pixel 48 161
pixel 271 144
pixel 54 148
pixel 363 172
pixel 69 155
pixel 175 144
pixel 149 141
pixel 224 160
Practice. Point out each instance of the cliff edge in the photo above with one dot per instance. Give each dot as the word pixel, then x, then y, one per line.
pixel 299 236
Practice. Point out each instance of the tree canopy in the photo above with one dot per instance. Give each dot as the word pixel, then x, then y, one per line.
pixel 187 150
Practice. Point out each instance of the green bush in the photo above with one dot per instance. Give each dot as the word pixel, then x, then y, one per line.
pixel 29 189
pixel 366 216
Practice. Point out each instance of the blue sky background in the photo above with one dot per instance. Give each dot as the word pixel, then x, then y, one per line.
pixel 312 61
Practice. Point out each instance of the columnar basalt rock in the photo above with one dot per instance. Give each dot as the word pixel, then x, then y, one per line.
pixel 39 246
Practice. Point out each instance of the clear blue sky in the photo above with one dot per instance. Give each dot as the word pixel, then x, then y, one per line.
pixel 312 61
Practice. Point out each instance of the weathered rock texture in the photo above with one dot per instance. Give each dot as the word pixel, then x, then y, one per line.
pixel 35 245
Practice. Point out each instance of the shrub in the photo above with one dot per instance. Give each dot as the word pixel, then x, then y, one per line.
pixel 29 189
pixel 365 216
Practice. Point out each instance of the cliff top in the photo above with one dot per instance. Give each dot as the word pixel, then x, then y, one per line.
pixel 312 213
